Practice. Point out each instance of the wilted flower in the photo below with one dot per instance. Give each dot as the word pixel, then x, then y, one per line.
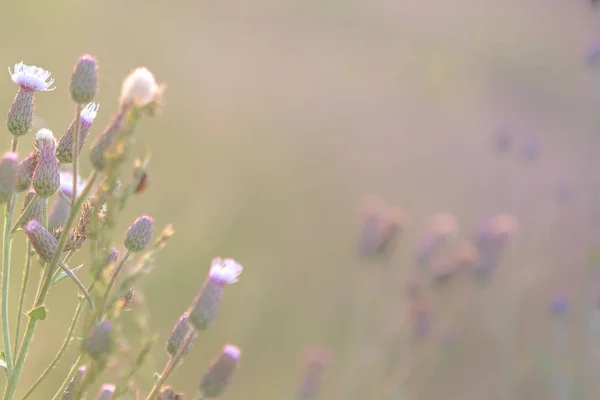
pixel 219 374
pixel 206 304
pixel 139 88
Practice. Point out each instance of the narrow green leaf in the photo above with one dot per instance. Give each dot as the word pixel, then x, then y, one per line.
pixel 60 275
pixel 38 313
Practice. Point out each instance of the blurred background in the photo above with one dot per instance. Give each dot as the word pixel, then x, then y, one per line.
pixel 281 117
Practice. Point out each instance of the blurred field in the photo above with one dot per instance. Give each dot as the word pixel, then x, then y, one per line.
pixel 281 116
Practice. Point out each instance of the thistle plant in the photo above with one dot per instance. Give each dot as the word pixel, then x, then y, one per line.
pixel 60 215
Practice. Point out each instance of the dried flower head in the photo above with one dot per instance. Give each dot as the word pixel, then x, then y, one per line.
pixel 178 335
pixel 64 151
pixel 31 77
pixel 139 234
pixel 140 88
pixel 25 171
pixel 8 176
pixel 206 304
pixel 42 241
pixel 46 177
pixel 219 374
pixel 107 392
pixel 100 340
pixel 84 80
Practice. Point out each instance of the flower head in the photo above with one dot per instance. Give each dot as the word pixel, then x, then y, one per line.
pixel 89 113
pixel 139 88
pixel 218 376
pixel 46 177
pixel 225 271
pixel 84 80
pixel 31 77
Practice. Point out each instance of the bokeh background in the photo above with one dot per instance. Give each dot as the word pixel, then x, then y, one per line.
pixel 281 116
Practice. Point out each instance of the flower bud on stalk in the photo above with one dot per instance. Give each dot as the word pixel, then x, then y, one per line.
pixel 107 392
pixel 84 80
pixel 46 177
pixel 42 241
pixel 139 234
pixel 178 335
pixel 35 212
pixel 206 304
pixel 64 151
pixel 30 79
pixel 25 171
pixel 219 374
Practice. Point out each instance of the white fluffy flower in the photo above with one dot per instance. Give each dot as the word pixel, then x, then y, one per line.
pixel 31 77
pixel 139 87
pixel 66 183
pixel 88 114
pixel 225 271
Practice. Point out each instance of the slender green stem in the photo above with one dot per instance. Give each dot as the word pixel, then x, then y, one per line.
pixel 70 375
pixel 76 153
pixel 173 362
pixel 45 213
pixel 45 285
pixel 80 285
pixel 64 346
pixel 24 282
pixel 24 213
pixel 112 281
pixel 6 249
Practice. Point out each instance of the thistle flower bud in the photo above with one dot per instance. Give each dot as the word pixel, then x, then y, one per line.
pixel 84 80
pixel 139 234
pixel 100 340
pixel 8 176
pixel 30 79
pixel 316 360
pixel 178 335
pixel 139 88
pixel 219 374
pixel 69 393
pixel 25 171
pixel 46 177
pixel 105 141
pixel 20 114
pixel 107 392
pixel 64 150
pixel 34 213
pixel 42 241
pixel 206 304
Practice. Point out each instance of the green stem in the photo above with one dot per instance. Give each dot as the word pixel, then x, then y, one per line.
pixel 70 375
pixel 6 250
pixel 24 282
pixel 112 281
pixel 76 153
pixel 63 348
pixel 45 285
pixel 173 362
pixel 80 285
pixel 45 213
pixel 24 213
